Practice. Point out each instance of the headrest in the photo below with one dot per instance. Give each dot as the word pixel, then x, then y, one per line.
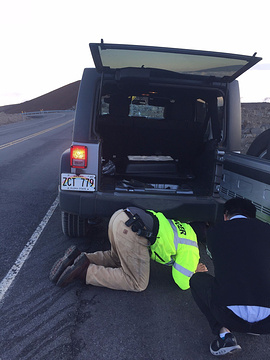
pixel 119 105
pixel 181 110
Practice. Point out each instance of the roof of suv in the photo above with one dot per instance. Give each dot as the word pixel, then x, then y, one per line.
pixel 224 67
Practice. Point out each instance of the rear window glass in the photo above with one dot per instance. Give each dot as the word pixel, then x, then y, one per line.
pixel 139 106
pixel 223 66
pixel 188 109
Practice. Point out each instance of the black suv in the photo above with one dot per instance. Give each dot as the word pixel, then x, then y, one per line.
pixel 151 125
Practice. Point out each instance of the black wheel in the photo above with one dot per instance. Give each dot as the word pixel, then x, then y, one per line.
pixel 73 225
pixel 260 147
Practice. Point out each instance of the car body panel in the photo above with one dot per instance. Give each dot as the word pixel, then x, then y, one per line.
pixel 247 177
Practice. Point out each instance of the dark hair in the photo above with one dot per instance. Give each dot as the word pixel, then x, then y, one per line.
pixel 239 206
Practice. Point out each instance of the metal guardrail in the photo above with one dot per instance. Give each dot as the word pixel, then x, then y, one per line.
pixel 41 112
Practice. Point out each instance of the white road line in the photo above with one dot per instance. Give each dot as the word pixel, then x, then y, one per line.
pixel 13 272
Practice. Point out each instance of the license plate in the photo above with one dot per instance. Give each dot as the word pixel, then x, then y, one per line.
pixel 81 182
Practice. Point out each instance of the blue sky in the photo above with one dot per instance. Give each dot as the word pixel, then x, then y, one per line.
pixel 44 44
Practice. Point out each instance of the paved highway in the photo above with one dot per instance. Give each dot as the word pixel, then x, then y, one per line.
pixel 42 322
pixel 30 153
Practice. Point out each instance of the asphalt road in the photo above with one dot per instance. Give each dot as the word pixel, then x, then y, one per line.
pixel 42 322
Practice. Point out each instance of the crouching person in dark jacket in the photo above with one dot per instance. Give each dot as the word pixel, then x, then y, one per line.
pixel 238 297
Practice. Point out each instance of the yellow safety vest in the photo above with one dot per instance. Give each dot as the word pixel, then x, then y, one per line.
pixel 176 245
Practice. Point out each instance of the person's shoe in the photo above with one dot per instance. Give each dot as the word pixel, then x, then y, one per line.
pixel 228 345
pixel 61 264
pixel 77 270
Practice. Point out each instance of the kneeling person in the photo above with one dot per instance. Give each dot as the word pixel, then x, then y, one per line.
pixel 136 236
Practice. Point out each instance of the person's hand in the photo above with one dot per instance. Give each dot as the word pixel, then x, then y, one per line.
pixel 201 268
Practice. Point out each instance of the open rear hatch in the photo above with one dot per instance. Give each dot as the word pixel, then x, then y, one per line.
pixel 221 67
pixel 161 116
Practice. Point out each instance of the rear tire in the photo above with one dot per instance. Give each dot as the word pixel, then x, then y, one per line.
pixel 73 225
pixel 260 147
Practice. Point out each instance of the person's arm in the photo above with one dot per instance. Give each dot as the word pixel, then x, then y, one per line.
pixel 186 263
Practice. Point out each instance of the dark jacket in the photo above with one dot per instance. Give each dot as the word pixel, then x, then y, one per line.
pixel 240 250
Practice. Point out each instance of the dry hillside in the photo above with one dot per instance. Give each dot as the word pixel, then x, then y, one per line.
pixel 63 98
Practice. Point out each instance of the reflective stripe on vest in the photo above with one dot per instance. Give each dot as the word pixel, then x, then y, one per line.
pixel 182 270
pixel 177 240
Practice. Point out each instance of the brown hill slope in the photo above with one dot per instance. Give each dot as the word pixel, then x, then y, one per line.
pixel 63 98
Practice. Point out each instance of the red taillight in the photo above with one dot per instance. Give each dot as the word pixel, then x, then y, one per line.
pixel 78 156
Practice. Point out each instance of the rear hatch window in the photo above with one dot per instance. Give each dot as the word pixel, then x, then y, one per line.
pixel 223 67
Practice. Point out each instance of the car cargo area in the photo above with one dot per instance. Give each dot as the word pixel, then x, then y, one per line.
pixel 162 140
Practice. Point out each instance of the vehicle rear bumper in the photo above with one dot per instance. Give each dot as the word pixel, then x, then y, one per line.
pixel 101 204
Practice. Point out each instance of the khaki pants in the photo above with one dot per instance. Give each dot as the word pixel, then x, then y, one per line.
pixel 127 265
